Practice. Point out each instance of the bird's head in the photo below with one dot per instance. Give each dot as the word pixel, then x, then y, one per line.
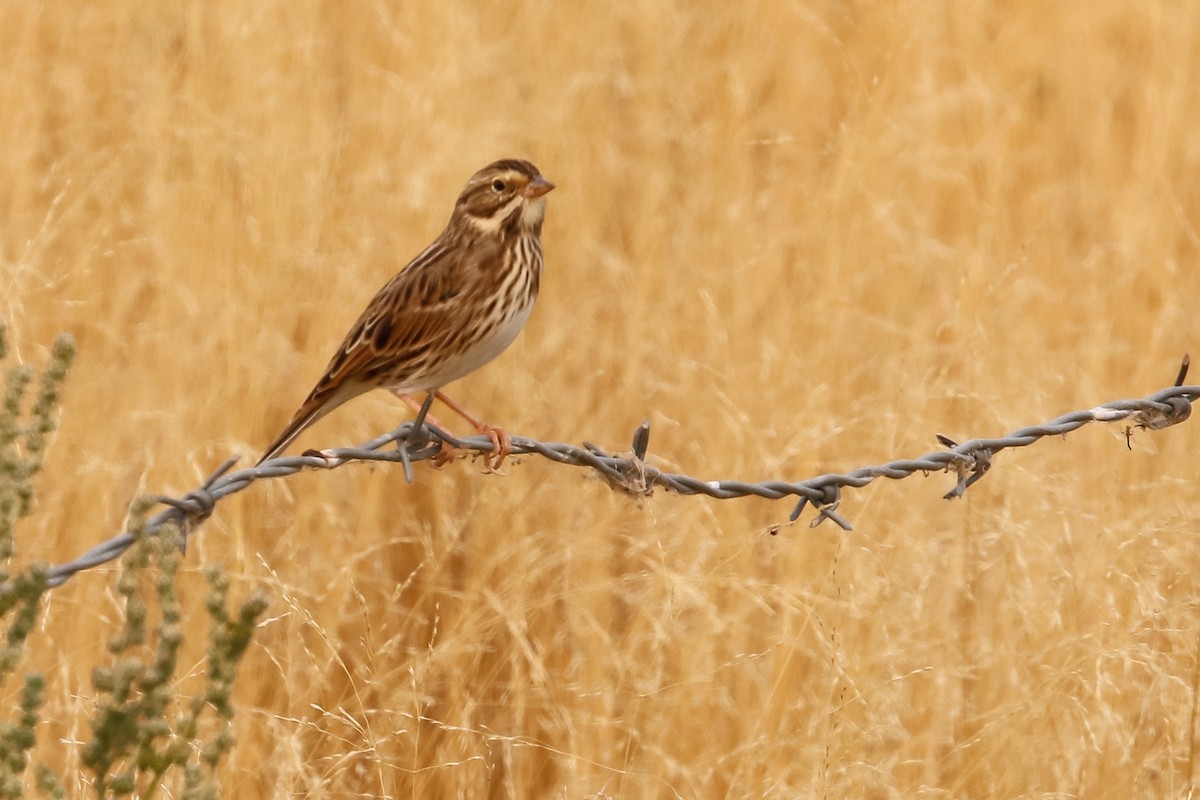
pixel 504 197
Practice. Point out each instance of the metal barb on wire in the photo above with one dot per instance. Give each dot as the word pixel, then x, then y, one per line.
pixel 194 507
pixel 970 467
pixel 417 437
pixel 1179 409
pixel 630 473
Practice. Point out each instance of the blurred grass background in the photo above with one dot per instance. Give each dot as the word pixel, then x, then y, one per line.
pixel 800 237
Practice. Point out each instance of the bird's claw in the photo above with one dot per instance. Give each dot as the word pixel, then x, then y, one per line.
pixel 444 455
pixel 501 447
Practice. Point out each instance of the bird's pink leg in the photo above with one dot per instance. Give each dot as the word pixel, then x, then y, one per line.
pixel 501 444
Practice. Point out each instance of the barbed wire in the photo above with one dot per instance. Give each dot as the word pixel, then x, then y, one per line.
pixel 629 472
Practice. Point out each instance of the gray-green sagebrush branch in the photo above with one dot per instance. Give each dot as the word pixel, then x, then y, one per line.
pixel 629 472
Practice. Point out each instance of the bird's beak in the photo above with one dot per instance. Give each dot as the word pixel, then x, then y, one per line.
pixel 537 187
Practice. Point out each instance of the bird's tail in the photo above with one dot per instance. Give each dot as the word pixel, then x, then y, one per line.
pixel 318 404
pixel 294 429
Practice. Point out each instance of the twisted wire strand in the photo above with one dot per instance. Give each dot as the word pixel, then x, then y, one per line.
pixel 629 472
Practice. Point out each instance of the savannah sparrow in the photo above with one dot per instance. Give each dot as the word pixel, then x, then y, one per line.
pixel 454 308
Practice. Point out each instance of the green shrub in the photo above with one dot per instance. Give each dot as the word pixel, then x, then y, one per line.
pixel 142 729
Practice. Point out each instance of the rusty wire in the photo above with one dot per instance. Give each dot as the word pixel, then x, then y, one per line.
pixel 630 472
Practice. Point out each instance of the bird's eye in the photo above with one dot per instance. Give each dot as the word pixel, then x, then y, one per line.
pixel 498 185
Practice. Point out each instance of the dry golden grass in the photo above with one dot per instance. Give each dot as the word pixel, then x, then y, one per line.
pixel 800 237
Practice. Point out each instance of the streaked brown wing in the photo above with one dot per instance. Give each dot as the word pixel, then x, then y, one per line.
pixel 407 318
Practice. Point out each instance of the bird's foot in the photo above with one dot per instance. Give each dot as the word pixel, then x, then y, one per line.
pixel 501 447
pixel 444 455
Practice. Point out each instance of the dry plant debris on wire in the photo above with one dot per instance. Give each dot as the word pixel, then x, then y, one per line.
pixel 630 471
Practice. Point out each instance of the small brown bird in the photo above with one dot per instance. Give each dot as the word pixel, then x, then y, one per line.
pixel 454 308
